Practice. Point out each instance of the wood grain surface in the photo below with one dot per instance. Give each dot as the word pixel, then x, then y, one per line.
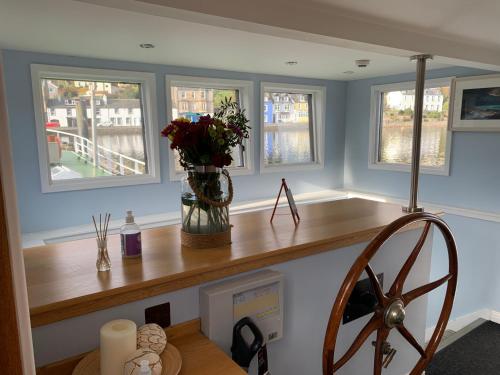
pixel 10 354
pixel 63 281
pixel 199 355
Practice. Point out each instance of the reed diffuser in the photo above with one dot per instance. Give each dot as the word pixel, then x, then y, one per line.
pixel 103 263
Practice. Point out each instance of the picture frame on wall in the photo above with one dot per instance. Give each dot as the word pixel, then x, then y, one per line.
pixel 476 103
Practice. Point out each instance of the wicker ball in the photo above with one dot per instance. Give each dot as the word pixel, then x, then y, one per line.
pixel 133 363
pixel 152 336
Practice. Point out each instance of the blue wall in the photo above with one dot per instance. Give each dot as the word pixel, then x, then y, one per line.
pixel 478 248
pixel 474 174
pixel 473 183
pixel 55 210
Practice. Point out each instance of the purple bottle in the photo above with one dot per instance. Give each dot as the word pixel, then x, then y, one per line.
pixel 130 235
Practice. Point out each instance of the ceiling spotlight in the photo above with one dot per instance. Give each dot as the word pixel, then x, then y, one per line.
pixel 362 63
pixel 146 45
pixel 348 72
pixel 291 62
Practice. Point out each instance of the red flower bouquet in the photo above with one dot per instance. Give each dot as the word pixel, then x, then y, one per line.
pixel 209 140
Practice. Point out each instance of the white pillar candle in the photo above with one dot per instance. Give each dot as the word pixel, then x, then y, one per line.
pixel 118 341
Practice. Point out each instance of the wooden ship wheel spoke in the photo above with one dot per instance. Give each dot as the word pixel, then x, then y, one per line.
pixel 390 309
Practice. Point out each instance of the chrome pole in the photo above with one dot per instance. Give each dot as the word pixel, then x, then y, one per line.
pixel 417 132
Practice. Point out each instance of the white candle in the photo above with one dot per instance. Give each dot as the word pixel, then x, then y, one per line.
pixel 118 340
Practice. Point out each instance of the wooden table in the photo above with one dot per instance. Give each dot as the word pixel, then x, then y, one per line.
pixel 63 282
pixel 199 355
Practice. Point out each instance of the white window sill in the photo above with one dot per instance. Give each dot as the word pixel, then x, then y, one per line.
pixel 291 167
pixel 177 176
pixel 445 171
pixel 169 218
pixel 100 182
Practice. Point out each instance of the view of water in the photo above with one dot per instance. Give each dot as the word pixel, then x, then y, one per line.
pixel 287 146
pixel 131 145
pixel 72 161
pixel 396 143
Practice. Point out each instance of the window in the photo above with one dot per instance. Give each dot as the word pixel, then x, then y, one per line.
pixel 292 138
pixel 211 93
pixel 392 127
pixel 94 154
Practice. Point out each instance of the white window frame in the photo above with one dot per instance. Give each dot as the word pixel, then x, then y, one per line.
pixel 245 89
pixel 148 86
pixel 375 117
pixel 318 112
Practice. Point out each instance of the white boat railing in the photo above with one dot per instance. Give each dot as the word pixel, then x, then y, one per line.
pixel 109 161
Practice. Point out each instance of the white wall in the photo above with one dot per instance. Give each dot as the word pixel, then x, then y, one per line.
pixel 311 285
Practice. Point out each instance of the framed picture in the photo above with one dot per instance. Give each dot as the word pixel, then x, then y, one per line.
pixel 476 103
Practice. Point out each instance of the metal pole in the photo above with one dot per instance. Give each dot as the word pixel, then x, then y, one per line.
pixel 95 150
pixel 417 132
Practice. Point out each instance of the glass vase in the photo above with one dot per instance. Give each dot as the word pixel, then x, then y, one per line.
pixel 102 263
pixel 205 198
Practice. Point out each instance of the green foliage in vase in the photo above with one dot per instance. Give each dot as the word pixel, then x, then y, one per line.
pixel 210 140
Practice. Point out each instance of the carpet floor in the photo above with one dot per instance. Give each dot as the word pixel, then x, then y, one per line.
pixel 476 353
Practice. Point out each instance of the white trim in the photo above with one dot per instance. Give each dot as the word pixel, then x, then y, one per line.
pixel 173 217
pixel 460 322
pixel 319 113
pixel 148 85
pixel 246 99
pixel 457 124
pixel 14 236
pixel 451 210
pixel 170 218
pixel 373 144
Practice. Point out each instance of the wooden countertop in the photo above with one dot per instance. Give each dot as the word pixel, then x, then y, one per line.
pixel 63 282
pixel 200 356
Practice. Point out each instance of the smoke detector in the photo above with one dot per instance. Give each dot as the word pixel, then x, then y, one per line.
pixel 362 63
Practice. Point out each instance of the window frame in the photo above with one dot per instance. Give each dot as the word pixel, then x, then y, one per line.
pixel 375 117
pixel 318 111
pixel 246 98
pixel 148 101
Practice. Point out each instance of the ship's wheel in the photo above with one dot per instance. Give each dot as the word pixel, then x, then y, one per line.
pixel 390 310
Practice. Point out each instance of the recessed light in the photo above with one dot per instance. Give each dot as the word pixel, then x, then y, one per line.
pixel 146 45
pixel 348 72
pixel 292 62
pixel 362 63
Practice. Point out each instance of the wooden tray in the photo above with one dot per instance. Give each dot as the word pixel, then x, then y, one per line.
pixel 171 359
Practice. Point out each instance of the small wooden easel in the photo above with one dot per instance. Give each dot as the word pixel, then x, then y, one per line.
pixel 291 202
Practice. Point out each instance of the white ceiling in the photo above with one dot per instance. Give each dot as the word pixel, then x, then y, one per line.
pixel 83 29
pixel 474 21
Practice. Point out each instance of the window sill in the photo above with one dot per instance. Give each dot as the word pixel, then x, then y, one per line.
pixel 177 176
pixel 99 182
pixel 291 167
pixel 445 171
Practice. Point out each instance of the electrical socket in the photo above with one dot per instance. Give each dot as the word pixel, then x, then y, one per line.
pixel 159 314
pixel 362 300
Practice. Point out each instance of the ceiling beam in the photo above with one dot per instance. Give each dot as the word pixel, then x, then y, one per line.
pixel 319 24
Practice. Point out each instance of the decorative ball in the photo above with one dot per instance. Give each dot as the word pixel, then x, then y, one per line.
pixel 133 363
pixel 152 336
